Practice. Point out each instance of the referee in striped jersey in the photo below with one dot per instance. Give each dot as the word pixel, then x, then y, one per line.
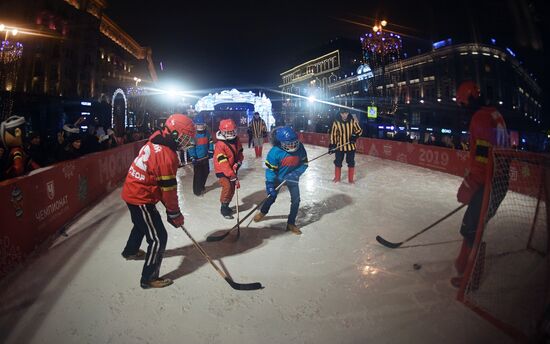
pixel 343 134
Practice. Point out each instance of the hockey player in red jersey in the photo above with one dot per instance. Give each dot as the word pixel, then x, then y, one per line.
pixel 487 130
pixel 152 178
pixel 228 157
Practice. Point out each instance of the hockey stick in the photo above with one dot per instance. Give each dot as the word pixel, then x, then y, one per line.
pixel 390 244
pixel 238 215
pixel 233 284
pixel 223 236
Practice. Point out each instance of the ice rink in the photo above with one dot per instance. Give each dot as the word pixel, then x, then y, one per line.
pixel 333 284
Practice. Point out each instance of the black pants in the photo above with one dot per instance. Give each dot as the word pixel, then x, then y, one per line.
pixel 200 174
pixel 339 157
pixel 147 222
pixel 250 140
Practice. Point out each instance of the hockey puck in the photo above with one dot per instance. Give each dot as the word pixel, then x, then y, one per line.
pixel 417 266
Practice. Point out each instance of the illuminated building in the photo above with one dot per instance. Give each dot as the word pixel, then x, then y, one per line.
pixel 73 52
pixel 423 86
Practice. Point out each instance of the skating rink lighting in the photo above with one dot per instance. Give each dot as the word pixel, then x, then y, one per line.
pixel 500 102
pixel 446 131
pixel 464 132
pixel 429 129
pixel 311 99
pixel 401 128
pixel 414 128
pixel 454 99
pixel 380 127
pixel 86 103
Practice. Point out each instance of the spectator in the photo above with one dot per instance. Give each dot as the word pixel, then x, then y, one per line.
pixel 72 149
pixel 12 134
pixel 36 151
pixel 3 161
pixel 90 142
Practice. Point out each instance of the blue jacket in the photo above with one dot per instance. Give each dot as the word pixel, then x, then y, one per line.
pixel 203 147
pixel 280 163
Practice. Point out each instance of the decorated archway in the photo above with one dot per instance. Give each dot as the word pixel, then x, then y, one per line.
pixel 119 111
pixel 237 101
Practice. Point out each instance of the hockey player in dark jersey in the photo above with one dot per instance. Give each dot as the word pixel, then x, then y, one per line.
pixel 200 153
pixel 287 160
pixel 152 178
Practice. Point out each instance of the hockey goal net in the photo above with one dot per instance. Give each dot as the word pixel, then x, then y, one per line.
pixel 507 277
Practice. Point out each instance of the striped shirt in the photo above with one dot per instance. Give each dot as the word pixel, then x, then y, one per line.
pixel 341 131
pixel 258 128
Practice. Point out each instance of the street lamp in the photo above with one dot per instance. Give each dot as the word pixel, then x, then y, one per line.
pixel 381 47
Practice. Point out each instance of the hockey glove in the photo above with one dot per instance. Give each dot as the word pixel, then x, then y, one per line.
pixel 353 138
pixel 467 190
pixel 331 148
pixel 236 167
pixel 270 189
pixel 175 218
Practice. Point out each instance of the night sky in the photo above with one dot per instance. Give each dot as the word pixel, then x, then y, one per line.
pixel 246 44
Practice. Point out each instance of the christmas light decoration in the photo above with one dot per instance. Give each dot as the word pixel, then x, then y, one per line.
pixel 381 48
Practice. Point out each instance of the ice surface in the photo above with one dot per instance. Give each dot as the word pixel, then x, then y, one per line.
pixel 333 284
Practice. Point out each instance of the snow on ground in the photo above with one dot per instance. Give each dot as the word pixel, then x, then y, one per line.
pixel 333 284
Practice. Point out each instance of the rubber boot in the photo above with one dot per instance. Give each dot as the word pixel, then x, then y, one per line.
pixel 462 259
pixel 351 174
pixel 257 151
pixel 337 174
pixel 460 264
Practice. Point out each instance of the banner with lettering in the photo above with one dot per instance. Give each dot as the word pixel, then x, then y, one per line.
pixel 446 160
pixel 38 205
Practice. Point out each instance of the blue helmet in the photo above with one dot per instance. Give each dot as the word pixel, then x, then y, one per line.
pixel 287 138
pixel 200 123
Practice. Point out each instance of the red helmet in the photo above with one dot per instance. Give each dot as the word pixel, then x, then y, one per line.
pixel 466 90
pixel 181 129
pixel 228 129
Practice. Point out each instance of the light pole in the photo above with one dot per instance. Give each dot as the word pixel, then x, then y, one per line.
pixel 380 47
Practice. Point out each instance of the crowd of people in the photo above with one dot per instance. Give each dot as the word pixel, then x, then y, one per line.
pixel 22 151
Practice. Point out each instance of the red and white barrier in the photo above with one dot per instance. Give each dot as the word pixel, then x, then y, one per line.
pixel 446 160
pixel 36 206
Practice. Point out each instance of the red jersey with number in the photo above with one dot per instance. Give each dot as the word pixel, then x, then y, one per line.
pixel 487 130
pixel 152 176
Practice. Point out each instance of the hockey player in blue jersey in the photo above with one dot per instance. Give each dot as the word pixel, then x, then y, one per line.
pixel 287 160
pixel 199 153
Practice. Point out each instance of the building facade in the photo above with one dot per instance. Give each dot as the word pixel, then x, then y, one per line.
pixel 73 59
pixel 415 96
